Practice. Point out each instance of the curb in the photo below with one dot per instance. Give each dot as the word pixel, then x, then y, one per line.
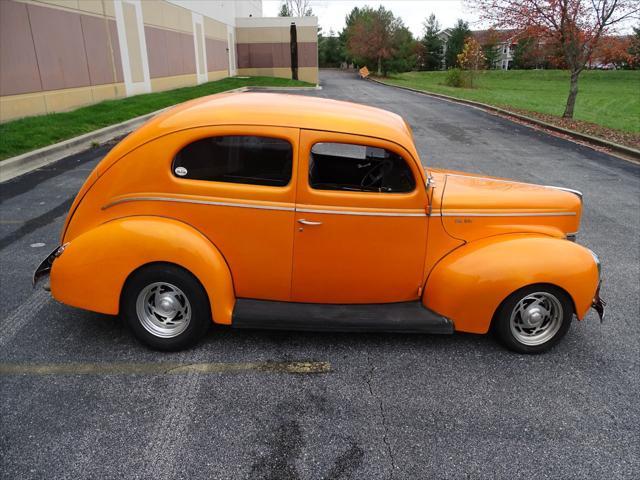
pixel 615 147
pixel 280 89
pixel 19 165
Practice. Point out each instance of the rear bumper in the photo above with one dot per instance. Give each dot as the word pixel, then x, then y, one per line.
pixel 599 305
pixel 45 266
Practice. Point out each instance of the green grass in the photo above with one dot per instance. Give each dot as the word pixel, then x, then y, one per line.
pixel 26 134
pixel 607 98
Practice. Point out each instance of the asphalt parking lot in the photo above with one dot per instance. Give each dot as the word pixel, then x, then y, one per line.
pixel 380 406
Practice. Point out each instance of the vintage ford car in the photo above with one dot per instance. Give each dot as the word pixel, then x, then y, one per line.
pixel 282 211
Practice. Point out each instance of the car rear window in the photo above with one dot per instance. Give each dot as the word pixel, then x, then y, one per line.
pixel 236 159
pixel 360 168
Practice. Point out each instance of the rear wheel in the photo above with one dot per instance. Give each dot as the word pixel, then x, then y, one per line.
pixel 166 307
pixel 535 318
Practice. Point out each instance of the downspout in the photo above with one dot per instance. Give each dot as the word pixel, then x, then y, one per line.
pixel 294 51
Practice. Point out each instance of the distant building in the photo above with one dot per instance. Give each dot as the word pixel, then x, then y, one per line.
pixel 444 36
pixel 57 55
pixel 506 41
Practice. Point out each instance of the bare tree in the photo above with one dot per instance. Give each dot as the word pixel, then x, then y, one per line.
pixel 576 26
pixel 295 8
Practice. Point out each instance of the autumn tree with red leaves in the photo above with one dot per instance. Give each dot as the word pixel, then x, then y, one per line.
pixel 576 26
pixel 613 51
pixel 376 35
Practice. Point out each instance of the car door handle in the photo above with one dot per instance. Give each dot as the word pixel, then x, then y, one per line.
pixel 308 222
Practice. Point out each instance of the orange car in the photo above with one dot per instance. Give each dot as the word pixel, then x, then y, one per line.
pixel 282 211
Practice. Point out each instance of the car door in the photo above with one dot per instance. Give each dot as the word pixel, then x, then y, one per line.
pixel 236 185
pixel 360 222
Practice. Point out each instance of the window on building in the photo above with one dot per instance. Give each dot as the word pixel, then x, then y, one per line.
pixel 358 168
pixel 236 159
pixel 505 49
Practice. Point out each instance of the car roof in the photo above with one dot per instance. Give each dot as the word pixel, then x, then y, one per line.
pixel 287 110
pixel 273 109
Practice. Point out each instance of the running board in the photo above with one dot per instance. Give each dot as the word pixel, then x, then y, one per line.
pixel 406 317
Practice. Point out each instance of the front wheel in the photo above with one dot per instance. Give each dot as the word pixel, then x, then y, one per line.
pixel 533 319
pixel 165 307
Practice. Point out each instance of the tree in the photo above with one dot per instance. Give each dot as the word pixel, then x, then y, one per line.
pixel 284 10
pixel 576 26
pixel 404 45
pixel 329 51
pixel 613 51
pixel 490 47
pixel 295 8
pixel 471 59
pixel 455 43
pixel 529 53
pixel 634 48
pixel 378 38
pixel 431 45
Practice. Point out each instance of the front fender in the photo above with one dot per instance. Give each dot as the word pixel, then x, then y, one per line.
pixel 94 266
pixel 469 284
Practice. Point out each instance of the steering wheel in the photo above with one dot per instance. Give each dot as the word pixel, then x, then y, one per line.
pixel 376 173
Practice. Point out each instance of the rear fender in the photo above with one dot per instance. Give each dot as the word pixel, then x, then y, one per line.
pixel 94 266
pixel 469 284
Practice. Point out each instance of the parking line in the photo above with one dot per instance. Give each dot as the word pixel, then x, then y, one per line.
pixel 161 368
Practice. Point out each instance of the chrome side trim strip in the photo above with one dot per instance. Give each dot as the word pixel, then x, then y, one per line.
pixel 335 212
pixel 366 214
pixel 197 202
pixel 578 193
pixel 510 214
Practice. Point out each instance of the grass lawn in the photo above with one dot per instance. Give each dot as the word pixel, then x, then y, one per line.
pixel 607 98
pixel 20 136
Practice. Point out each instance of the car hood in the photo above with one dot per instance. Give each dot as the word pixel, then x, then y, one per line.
pixel 474 207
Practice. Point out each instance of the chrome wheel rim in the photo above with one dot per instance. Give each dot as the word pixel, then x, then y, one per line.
pixel 536 318
pixel 163 310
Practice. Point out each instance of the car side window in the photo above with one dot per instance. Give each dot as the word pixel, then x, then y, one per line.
pixel 359 168
pixel 236 159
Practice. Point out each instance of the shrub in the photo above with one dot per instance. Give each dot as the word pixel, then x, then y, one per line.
pixel 455 78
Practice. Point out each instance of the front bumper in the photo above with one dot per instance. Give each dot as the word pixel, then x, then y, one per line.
pixel 45 266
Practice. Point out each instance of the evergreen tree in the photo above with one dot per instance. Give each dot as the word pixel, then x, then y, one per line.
pixel 431 45
pixel 329 51
pixel 455 43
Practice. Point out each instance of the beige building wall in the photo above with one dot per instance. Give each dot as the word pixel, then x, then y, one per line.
pixel 58 55
pixel 264 47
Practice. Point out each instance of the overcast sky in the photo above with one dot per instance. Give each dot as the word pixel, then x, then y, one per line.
pixel 331 13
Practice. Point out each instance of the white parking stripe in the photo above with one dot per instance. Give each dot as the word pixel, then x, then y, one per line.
pixel 23 315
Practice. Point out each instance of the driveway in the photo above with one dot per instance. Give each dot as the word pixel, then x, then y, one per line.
pixel 391 406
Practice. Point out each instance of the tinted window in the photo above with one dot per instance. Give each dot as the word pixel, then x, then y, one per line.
pixel 342 166
pixel 236 159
